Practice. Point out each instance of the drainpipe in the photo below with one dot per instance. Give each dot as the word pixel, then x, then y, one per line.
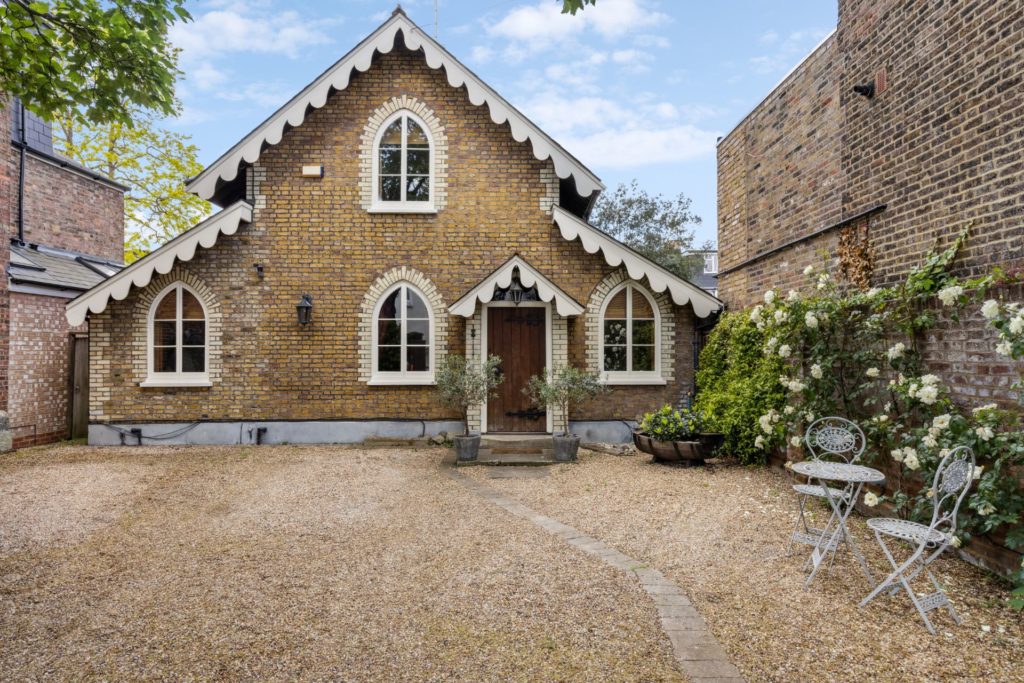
pixel 22 144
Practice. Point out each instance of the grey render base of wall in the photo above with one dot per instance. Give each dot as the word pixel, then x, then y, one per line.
pixel 310 432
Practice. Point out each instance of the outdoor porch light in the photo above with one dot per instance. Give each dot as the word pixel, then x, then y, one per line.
pixel 515 290
pixel 305 309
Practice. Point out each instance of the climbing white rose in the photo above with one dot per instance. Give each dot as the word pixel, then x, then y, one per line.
pixel 941 421
pixel 982 409
pixel 984 433
pixel 797 386
pixel 870 499
pixel 949 295
pixel 956 542
pixel 873 292
pixel 781 316
pixel 990 309
pixel 986 509
pixel 1017 325
pixel 789 410
pixel 978 472
pixel 755 313
pixel 872 373
pixel 1004 348
pixel 809 270
pixel 785 351
pixel 881 419
pixel 896 351
pixel 928 395
pixel 811 321
pixel 910 460
pixel 795 442
pixel 929 441
pixel 816 372
pixel 897 455
pixel 793 296
pixel 769 296
pixel 759 442
pixel 928 380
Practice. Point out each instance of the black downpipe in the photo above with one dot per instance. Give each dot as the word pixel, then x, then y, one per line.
pixel 23 143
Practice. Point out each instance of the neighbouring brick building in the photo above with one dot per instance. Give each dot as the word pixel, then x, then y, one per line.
pixel 63 233
pixel 415 213
pixel 938 145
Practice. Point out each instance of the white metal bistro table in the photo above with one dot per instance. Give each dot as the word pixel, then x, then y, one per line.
pixel 854 477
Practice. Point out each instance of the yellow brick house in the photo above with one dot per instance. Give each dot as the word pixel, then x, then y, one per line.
pixel 395 210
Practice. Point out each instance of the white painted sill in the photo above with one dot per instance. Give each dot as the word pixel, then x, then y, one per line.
pixel 379 381
pixel 403 208
pixel 172 382
pixel 638 381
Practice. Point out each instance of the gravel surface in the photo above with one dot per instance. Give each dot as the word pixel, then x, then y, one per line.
pixel 297 563
pixel 721 533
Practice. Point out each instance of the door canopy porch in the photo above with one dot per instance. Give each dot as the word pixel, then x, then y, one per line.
pixel 516 268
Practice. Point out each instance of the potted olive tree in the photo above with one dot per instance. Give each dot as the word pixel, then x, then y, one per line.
pixel 564 388
pixel 461 386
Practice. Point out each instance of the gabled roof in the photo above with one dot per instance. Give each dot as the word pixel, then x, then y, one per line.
pixel 139 274
pixel 502 277
pixel 615 253
pixel 248 150
pixel 44 268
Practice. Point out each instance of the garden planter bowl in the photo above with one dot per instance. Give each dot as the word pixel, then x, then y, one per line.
pixel 670 451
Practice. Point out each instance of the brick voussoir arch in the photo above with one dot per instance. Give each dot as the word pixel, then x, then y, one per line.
pixel 214 320
pixel 666 315
pixel 435 130
pixel 392 277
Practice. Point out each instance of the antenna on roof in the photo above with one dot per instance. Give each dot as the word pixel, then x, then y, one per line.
pixel 435 19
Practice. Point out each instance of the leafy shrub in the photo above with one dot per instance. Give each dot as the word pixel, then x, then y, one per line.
pixel 668 424
pixel 737 384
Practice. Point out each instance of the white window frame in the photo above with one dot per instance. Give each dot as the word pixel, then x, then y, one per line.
pixel 177 378
pixel 402 206
pixel 646 377
pixel 402 377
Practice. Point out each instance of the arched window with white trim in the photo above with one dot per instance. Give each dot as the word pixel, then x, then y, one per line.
pixel 177 340
pixel 403 164
pixel 403 337
pixel 630 334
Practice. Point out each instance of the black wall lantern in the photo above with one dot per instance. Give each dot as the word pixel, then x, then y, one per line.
pixel 304 309
pixel 515 290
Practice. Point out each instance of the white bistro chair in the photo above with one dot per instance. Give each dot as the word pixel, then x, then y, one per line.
pixel 952 482
pixel 828 438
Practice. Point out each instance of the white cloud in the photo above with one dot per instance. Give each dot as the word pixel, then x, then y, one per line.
pixel 542 25
pixel 787 52
pixel 260 93
pixel 206 76
pixel 768 38
pixel 633 147
pixel 481 54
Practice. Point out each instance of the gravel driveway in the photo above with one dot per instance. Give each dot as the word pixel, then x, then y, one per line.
pixel 296 563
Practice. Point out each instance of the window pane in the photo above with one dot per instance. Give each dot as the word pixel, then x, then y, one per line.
pixel 617 306
pixel 417 332
pixel 414 306
pixel 390 159
pixel 417 188
pixel 641 306
pixel 163 359
pixel 615 358
pixel 193 332
pixel 389 358
pixel 417 358
pixel 168 308
pixel 417 162
pixel 163 333
pixel 391 188
pixel 389 309
pixel 191 309
pixel 193 359
pixel 417 138
pixel 393 133
pixel 389 332
pixel 643 331
pixel 614 331
pixel 643 358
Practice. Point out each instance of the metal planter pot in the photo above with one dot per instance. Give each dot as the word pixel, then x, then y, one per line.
pixel 466 447
pixel 689 452
pixel 566 447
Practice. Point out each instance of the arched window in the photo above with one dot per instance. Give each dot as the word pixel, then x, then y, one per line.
pixel 403 337
pixel 403 164
pixel 177 338
pixel 630 334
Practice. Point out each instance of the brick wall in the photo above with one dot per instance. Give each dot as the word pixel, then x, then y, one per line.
pixel 313 236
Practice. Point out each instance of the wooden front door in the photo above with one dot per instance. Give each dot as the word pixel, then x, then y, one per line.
pixel 518 336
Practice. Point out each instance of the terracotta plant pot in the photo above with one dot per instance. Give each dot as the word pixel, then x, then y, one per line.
pixel 467 447
pixel 566 447
pixel 669 451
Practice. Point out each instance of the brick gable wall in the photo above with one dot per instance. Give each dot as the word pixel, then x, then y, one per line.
pixel 313 236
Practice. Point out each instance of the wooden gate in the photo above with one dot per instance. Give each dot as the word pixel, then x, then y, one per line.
pixel 79 409
pixel 518 336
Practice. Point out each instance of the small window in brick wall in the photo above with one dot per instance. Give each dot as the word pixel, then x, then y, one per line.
pixel 403 338
pixel 629 334
pixel 177 339
pixel 403 165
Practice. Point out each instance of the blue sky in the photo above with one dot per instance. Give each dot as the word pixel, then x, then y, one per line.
pixel 634 88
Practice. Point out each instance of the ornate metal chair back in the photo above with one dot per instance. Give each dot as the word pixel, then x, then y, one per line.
pixel 831 438
pixel 952 482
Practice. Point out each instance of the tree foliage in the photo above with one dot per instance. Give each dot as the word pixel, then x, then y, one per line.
pixel 152 161
pixel 574 6
pixel 660 229
pixel 462 385
pixel 98 60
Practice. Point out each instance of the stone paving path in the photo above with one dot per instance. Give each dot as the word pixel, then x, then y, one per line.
pixel 699 654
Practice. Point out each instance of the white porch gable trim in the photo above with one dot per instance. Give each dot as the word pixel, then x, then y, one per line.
pixel 337 77
pixel 638 267
pixel 161 261
pixel 502 278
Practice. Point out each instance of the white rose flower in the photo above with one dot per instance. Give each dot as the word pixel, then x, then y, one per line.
pixel 956 542
pixel 873 292
pixel 755 313
pixel 981 409
pixel 881 419
pixel 986 509
pixel 795 442
pixel 759 442
pixel 816 372
pixel 808 416
pixel 1004 348
pixel 978 472
pixel 941 421
pixel 789 410
pixel 910 460
pixel 766 423
pixel 887 407
pixel 929 380
pixel 809 270
pixel 793 296
pixel 811 321
pixel 928 395
pixel 1017 325
pixel 990 309
pixel 797 386
pixel 896 351
pixel 785 351
pixel 929 441
pixel 897 455
pixel 984 433
pixel 949 295
pixel 769 296
pixel 944 452
pixel 783 380
pixel 781 316
pixel 872 373
pixel 870 499
pixel 771 343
